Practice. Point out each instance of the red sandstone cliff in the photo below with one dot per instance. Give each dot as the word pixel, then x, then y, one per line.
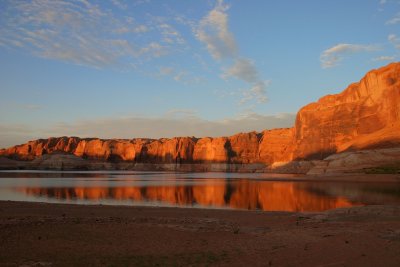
pixel 365 115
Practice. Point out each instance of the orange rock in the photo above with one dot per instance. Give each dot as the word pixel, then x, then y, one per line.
pixel 175 150
pixel 244 147
pixel 276 145
pixel 211 150
pixel 336 122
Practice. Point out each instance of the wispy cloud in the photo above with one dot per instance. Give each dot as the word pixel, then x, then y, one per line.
pixel 178 75
pixel 166 70
pixel 394 20
pixel 393 39
pixel 181 113
pixel 177 122
pixel 214 32
pixel 132 29
pixel 170 34
pixel 120 4
pixel 79 32
pixel 384 58
pixel 331 57
pixel 244 69
pixel 141 2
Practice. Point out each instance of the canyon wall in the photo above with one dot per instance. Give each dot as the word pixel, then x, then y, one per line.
pixel 365 115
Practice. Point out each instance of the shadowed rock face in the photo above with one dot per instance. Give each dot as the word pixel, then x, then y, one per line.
pixel 365 115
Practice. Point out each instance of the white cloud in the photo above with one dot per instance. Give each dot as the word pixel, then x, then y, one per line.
pixel 175 123
pixel 79 32
pixel 141 2
pixel 394 40
pixel 120 4
pixel 394 20
pixel 257 92
pixel 179 122
pixel 332 56
pixel 382 2
pixel 132 29
pixel 384 58
pixel 181 76
pixel 170 34
pixel 213 31
pixel 166 70
pixel 243 69
pixel 181 113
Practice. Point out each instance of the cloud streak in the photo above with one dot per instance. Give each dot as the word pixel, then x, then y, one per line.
pixel 244 69
pixel 214 32
pixel 394 20
pixel 394 40
pixel 333 56
pixel 176 122
pixel 80 32
pixel 384 58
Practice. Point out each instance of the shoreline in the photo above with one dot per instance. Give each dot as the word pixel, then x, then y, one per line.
pixel 290 177
pixel 44 234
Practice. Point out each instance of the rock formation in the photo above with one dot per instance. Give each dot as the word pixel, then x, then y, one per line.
pixel 348 162
pixel 366 115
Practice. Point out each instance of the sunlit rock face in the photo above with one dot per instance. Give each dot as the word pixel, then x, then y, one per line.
pixel 244 147
pixel 276 145
pixel 212 150
pixel 365 115
pixel 165 150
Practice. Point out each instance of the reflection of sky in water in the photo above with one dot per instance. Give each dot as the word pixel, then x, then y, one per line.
pixel 207 190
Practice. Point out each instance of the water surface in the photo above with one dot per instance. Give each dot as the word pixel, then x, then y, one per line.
pixel 266 192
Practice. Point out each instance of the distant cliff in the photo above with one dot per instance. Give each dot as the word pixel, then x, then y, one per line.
pixel 365 115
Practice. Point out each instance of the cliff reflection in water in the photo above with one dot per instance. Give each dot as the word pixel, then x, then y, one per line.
pixel 237 194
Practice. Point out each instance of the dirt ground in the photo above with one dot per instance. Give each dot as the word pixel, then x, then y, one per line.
pixel 38 234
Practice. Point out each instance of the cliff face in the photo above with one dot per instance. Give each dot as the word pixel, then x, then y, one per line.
pixel 365 115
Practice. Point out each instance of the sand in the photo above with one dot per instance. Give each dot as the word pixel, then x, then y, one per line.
pixel 39 234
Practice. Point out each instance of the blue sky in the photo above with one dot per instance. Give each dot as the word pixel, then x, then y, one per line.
pixel 163 68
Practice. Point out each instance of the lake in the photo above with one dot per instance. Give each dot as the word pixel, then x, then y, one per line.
pixel 258 191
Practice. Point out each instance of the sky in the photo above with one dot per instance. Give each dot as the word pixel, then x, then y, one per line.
pixel 164 68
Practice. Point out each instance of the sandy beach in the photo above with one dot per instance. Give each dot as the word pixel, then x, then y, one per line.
pixel 39 234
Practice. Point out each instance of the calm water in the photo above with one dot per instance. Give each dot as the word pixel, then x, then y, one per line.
pixel 205 190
